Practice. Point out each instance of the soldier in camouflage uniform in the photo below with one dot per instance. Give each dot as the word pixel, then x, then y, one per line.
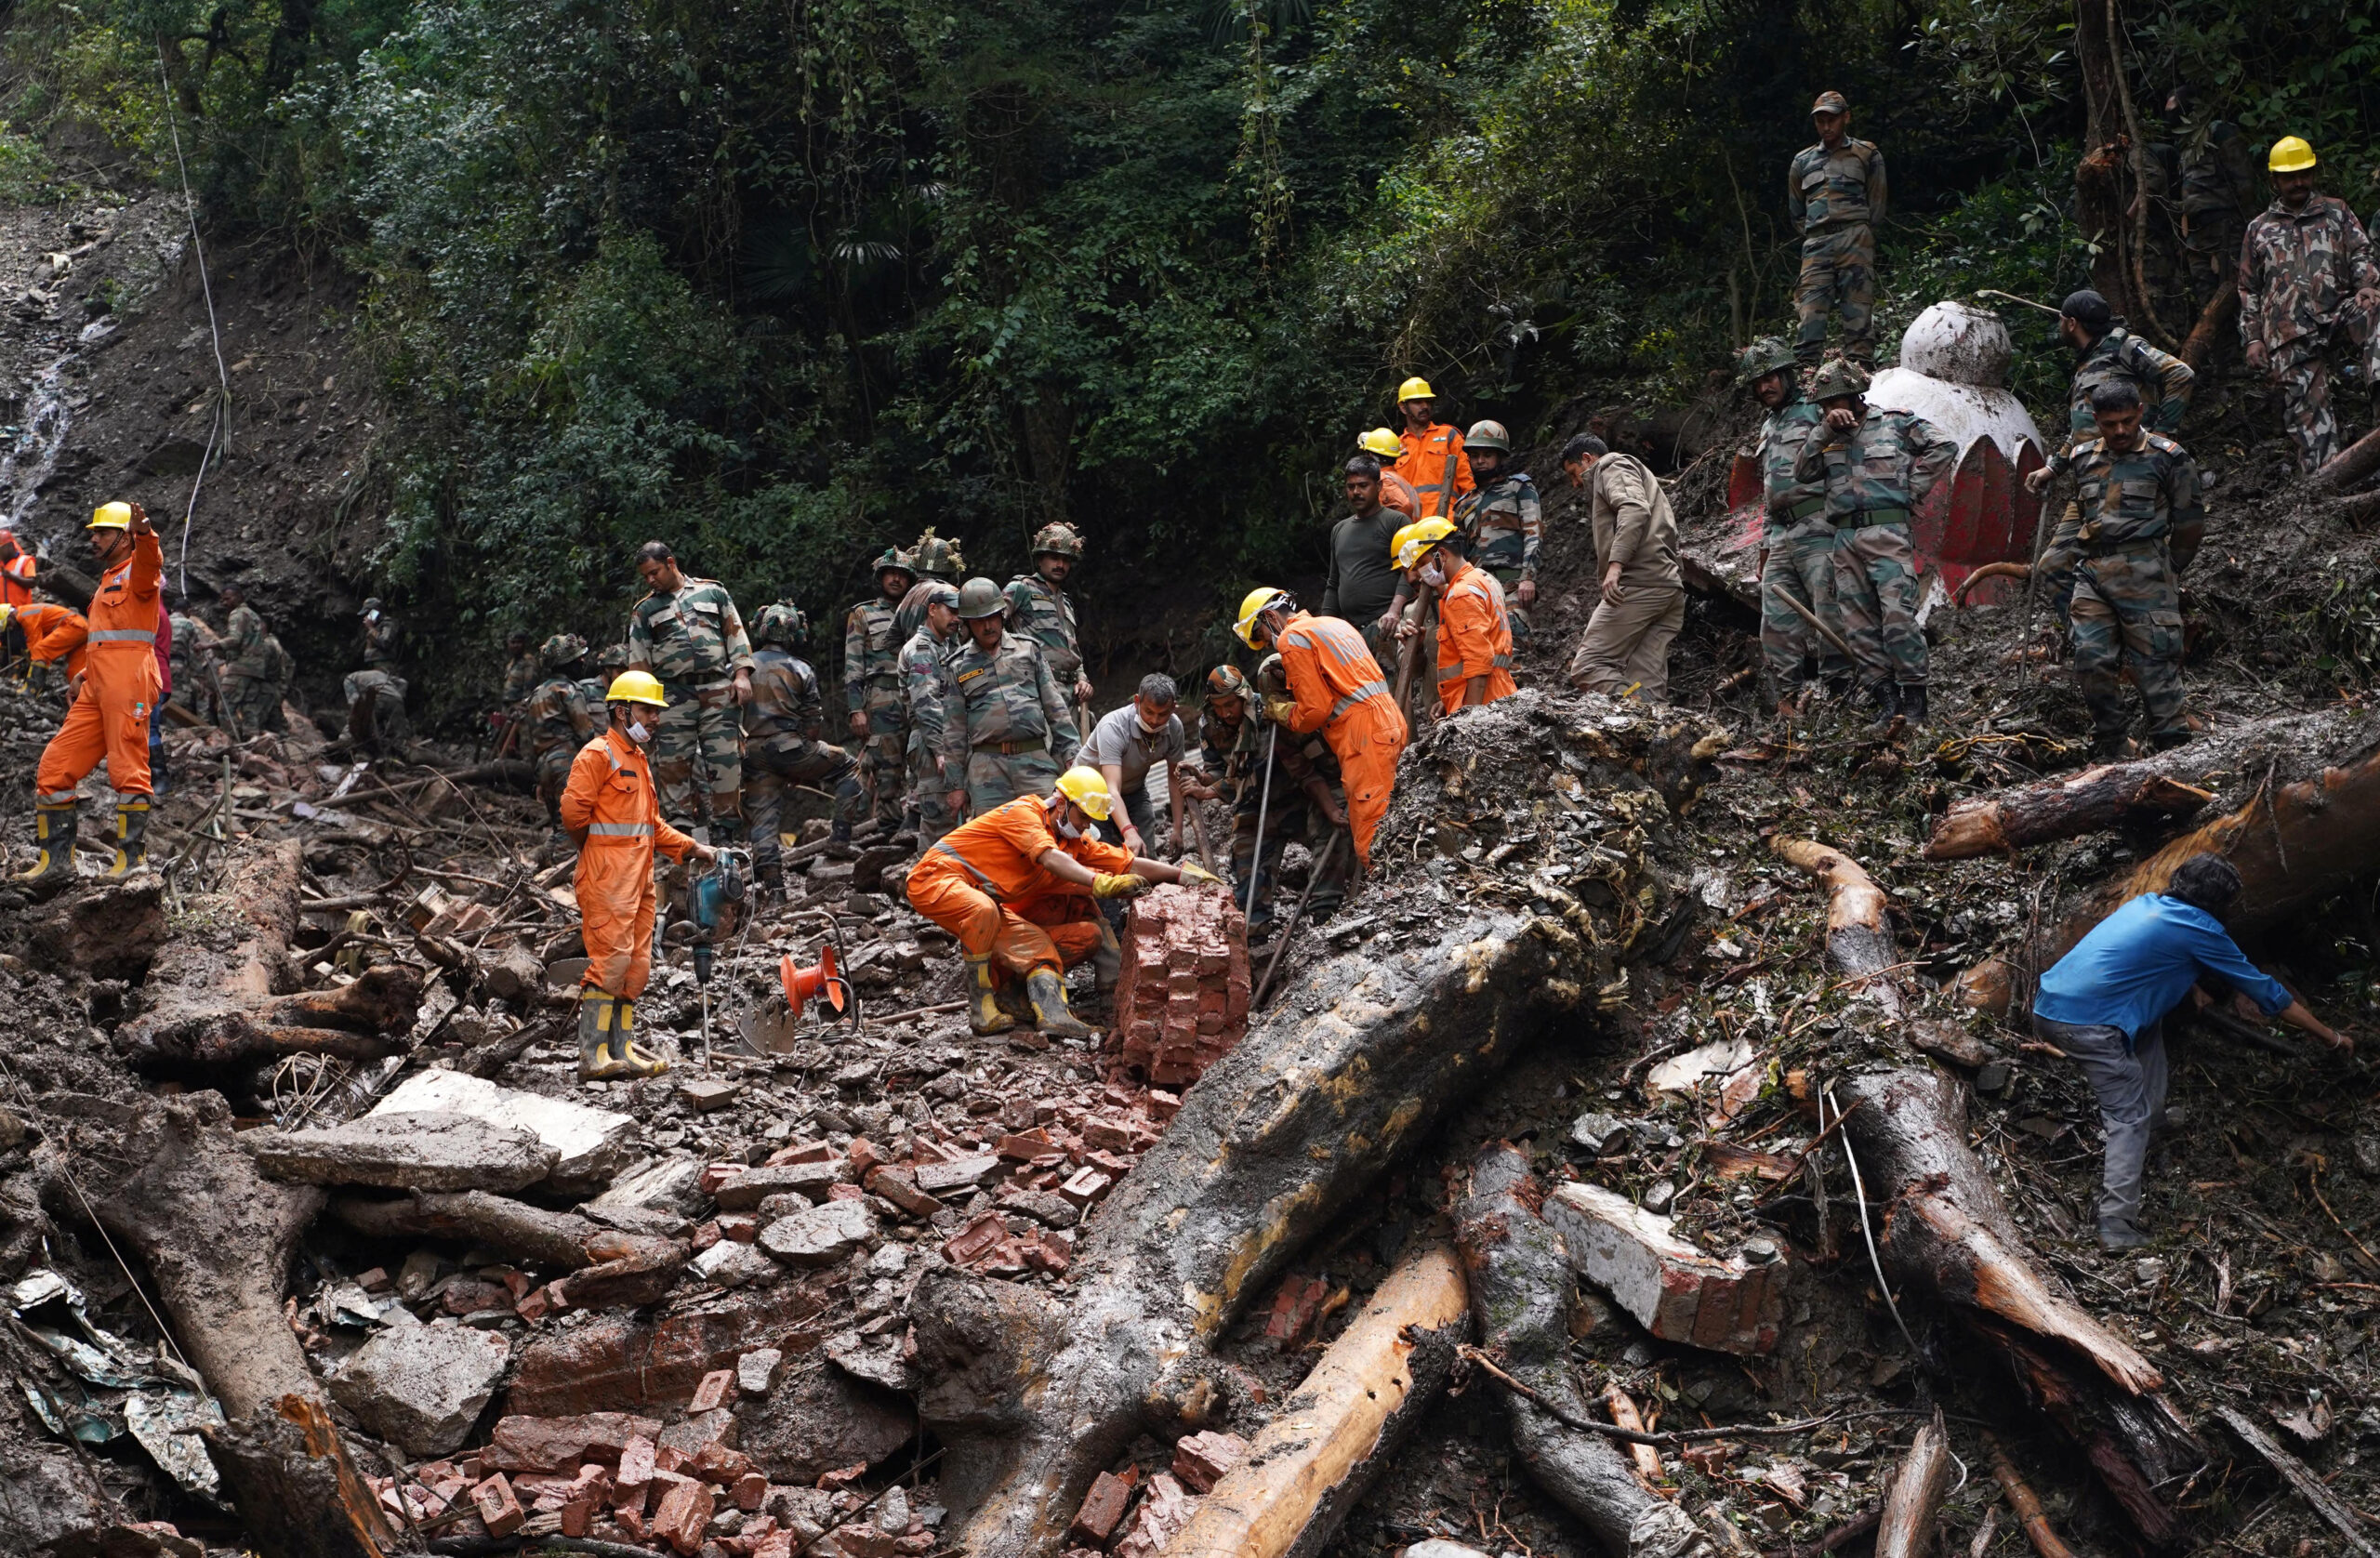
pixel 2217 172
pixel 379 637
pixel 2105 353
pixel 936 561
pixel 561 714
pixel 1039 608
pixel 937 789
pixel 2139 491
pixel 1835 191
pixel 689 633
pixel 1501 522
pixel 376 710
pixel 785 744
pixel 1877 466
pixel 198 679
pixel 1009 729
pixel 872 685
pixel 1796 536
pixel 251 675
pixel 2308 287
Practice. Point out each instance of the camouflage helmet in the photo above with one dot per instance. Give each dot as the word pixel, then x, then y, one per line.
pixel 895 560
pixel 783 622
pixel 560 650
pixel 979 599
pixel 1060 540
pixel 1229 681
pixel 937 557
pixel 1837 378
pixel 1488 435
pixel 612 656
pixel 1767 355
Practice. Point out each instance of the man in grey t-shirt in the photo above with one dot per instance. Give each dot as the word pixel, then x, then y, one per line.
pixel 1130 741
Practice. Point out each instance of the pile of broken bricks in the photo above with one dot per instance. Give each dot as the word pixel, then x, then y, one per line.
pixel 1122 1517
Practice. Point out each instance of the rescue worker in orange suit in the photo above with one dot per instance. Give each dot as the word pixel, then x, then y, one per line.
pixel 1431 453
pixel 1020 885
pixel 1396 492
pixel 609 808
pixel 16 569
pixel 52 633
pixel 1335 687
pixel 113 700
pixel 1475 631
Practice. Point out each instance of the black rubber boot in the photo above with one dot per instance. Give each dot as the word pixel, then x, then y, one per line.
pixel 54 835
pixel 131 839
pixel 1912 702
pixel 596 1011
pixel 2165 741
pixel 1884 698
pixel 2110 746
pixel 984 1013
pixel 1051 1013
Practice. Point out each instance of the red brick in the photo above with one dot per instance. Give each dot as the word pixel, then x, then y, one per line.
pixel 716 1387
pixel 1294 1307
pixel 1049 1252
pixel 1200 1460
pixel 635 1474
pixel 685 1511
pixel 706 1235
pixel 537 1305
pixel 578 1517
pixel 898 1187
pixel 1108 1134
pixel 526 1443
pixel 843 1477
pixel 1675 1291
pixel 715 1463
pixel 865 1155
pixel 717 1174
pixel 499 1510
pixel 751 1491
pixel 1088 1185
pixel 631 1522
pixel 1023 1146
pixel 843 1190
pixel 1102 1508
pixel 977 1240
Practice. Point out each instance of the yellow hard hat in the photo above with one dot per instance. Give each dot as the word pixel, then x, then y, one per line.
pixel 1381 442
pixel 1087 787
pixel 7 616
pixel 110 516
pixel 2291 154
pixel 1415 390
pixel 1414 541
pixel 1253 605
pixel 637 687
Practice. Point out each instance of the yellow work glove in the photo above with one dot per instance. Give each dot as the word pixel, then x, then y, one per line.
pixel 1104 885
pixel 1280 709
pixel 1198 874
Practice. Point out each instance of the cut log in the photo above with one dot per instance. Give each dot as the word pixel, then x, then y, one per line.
pixel 1334 1436
pixel 2098 798
pixel 1858 940
pixel 2349 466
pixel 168 1181
pixel 1521 1293
pixel 1947 1231
pixel 206 1008
pixel 1914 1502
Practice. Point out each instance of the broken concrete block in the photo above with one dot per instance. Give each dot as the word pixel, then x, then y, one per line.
pixel 592 1144
pixel 1597 1133
pixel 1182 1002
pixel 1164 1510
pixel 745 1191
pixel 422 1150
pixel 681 1443
pixel 820 1237
pixel 702 1094
pixel 1674 1289
pixel 1439 1548
pixel 1200 1460
pixel 733 1263
pixel 756 1372
pixel 422 1386
pixel 661 1185
pixel 818 1418
pixel 960 1173
pixel 1103 1509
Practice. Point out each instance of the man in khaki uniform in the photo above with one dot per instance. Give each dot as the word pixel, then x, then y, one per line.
pixel 1642 603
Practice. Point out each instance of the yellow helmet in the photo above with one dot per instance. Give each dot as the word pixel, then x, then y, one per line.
pixel 1087 787
pixel 8 616
pixel 110 516
pixel 637 687
pixel 1415 390
pixel 1381 442
pixel 2291 154
pixel 1414 542
pixel 1255 605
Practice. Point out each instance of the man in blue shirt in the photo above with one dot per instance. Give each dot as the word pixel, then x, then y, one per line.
pixel 2105 1002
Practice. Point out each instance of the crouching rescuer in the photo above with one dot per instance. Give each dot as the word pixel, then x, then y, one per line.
pixel 114 697
pixel 1020 885
pixel 610 810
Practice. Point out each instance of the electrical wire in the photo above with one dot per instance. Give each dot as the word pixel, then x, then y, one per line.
pixel 220 423
pixel 1866 1232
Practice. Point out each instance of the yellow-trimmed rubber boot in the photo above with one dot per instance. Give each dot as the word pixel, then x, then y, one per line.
pixel 984 1013
pixel 131 838
pixel 1051 1013
pixel 638 1061
pixel 596 1009
pixel 1108 961
pixel 53 837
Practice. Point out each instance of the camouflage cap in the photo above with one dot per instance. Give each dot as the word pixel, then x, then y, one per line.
pixel 613 657
pixel 1060 539
pixel 1830 102
pixel 781 623
pixel 1767 355
pixel 1488 435
pixel 1837 378
pixel 560 650
pixel 941 592
pixel 1227 682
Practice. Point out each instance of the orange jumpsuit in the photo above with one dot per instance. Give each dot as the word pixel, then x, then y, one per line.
pixel 17 569
pixel 609 808
pixel 111 718
pixel 53 633
pixel 1475 638
pixel 1341 693
pixel 1397 493
pixel 1434 462
pixel 985 885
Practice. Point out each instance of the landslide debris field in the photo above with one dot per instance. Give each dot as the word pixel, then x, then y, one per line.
pixel 293 1138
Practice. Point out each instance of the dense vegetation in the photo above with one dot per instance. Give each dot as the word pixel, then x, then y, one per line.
pixel 783 282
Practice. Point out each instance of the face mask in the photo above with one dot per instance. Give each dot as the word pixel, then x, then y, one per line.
pixel 1066 829
pixel 1433 573
pixel 638 733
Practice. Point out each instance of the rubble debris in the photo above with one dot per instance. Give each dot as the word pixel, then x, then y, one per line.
pixel 1675 1291
pixel 820 1237
pixel 590 1145
pixel 817 1418
pixel 1104 1508
pixel 1200 1460
pixel 1181 1001
pixel 422 1386
pixel 617 1362
pixel 424 1150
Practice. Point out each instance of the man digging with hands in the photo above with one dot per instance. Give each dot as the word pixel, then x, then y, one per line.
pixel 2105 1003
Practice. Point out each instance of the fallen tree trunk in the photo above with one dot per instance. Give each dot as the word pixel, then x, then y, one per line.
pixel 1947 1231
pixel 612 1269
pixel 1858 940
pixel 1334 1435
pixel 204 1008
pixel 166 1180
pixel 2098 798
pixel 2349 466
pixel 1522 1289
